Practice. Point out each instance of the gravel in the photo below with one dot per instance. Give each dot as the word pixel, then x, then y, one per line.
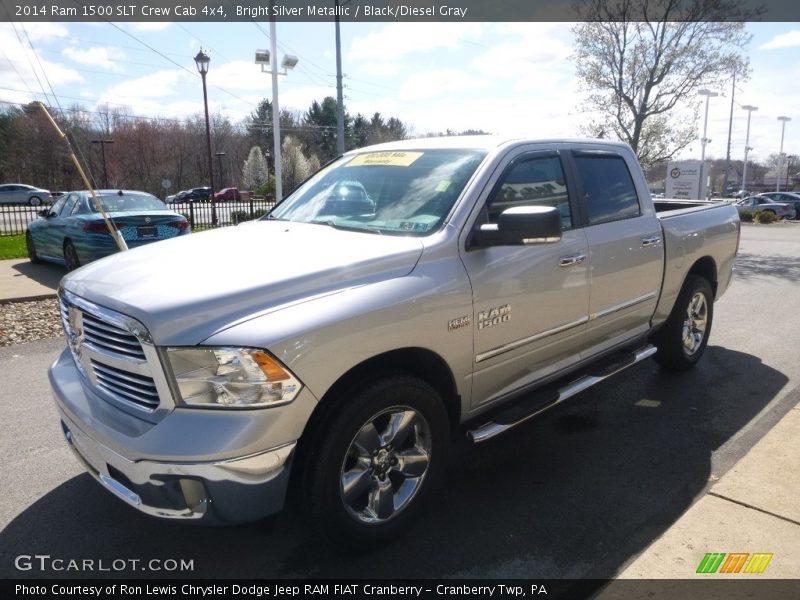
pixel 29 321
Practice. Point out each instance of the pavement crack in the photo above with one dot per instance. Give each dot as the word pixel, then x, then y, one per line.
pixel 761 510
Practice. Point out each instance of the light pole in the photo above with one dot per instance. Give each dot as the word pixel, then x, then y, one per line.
pixel 270 57
pixel 780 155
pixel 202 61
pixel 103 151
pixel 708 94
pixel 747 147
pixel 219 156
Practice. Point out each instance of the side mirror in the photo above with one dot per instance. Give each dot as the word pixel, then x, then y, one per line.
pixel 44 212
pixel 520 226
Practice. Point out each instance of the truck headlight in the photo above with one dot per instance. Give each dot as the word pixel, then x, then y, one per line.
pixel 231 377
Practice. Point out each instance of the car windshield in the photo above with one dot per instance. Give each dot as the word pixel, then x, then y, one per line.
pixel 400 192
pixel 127 202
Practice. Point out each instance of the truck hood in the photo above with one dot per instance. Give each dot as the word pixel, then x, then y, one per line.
pixel 189 288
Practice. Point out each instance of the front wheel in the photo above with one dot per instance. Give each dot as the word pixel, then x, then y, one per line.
pixel 377 462
pixel 35 201
pixel 683 338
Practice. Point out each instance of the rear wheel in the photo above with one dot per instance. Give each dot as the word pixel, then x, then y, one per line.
pixel 71 256
pixel 34 258
pixel 683 338
pixel 377 462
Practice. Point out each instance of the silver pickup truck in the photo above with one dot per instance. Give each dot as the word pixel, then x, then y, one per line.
pixel 405 292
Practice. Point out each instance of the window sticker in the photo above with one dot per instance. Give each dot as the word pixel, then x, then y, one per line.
pixel 443 185
pixel 394 159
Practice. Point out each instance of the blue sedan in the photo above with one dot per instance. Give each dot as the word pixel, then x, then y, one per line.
pixel 72 232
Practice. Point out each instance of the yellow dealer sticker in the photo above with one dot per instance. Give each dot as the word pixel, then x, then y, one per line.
pixel 394 159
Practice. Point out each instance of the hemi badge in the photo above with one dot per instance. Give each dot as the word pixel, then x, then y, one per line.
pixel 458 323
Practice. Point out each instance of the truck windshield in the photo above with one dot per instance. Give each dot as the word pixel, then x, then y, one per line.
pixel 406 192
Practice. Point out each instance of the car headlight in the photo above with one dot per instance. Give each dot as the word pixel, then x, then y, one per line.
pixel 231 378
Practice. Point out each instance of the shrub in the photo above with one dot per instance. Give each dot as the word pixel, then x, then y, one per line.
pixel 766 216
pixel 239 216
pixel 746 216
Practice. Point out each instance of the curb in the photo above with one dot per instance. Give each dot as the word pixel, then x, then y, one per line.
pixel 28 298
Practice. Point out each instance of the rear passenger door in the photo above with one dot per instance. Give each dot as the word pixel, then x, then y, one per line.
pixel 626 250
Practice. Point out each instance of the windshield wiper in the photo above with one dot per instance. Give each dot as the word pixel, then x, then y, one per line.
pixel 347 227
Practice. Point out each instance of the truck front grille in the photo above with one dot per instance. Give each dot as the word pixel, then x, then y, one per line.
pixel 115 355
pixel 129 387
pixel 111 339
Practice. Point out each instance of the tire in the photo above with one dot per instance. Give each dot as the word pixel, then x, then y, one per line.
pixel 29 243
pixel 375 463
pixel 682 340
pixel 35 201
pixel 71 256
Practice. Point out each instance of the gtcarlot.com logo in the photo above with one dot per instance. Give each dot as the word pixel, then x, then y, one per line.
pixel 734 562
pixel 45 562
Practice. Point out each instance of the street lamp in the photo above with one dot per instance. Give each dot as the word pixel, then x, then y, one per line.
pixel 202 60
pixel 708 94
pixel 747 147
pixel 103 150
pixel 270 57
pixel 780 156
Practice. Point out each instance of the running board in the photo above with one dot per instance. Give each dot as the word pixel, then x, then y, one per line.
pixel 543 399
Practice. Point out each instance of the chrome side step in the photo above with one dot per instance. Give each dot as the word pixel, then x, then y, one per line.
pixel 595 374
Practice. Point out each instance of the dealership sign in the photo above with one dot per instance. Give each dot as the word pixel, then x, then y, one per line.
pixel 685 180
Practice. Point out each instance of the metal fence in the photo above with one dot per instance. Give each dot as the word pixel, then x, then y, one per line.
pixel 14 219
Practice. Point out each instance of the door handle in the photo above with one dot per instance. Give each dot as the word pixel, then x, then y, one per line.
pixel 651 241
pixel 570 261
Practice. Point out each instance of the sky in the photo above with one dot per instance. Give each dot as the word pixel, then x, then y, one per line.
pixel 515 79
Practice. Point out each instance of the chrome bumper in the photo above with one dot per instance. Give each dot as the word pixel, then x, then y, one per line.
pixel 230 491
pixel 208 466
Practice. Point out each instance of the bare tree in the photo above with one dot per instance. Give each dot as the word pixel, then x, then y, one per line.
pixel 641 59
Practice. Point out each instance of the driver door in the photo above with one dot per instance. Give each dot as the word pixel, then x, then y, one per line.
pixel 531 302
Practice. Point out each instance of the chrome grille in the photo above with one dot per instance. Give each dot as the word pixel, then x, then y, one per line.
pixel 135 388
pixel 108 338
pixel 115 354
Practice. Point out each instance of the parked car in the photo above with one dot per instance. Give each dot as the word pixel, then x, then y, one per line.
pixel 73 232
pixel 473 281
pixel 230 194
pixel 193 195
pixel 785 198
pixel 765 204
pixel 170 199
pixel 19 193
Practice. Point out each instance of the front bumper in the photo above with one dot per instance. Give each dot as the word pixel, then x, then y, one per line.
pixel 219 469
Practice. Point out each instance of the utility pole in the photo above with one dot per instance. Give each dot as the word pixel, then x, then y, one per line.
pixel 339 94
pixel 103 151
pixel 219 156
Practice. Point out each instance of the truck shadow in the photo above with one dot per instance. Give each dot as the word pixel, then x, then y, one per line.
pixel 751 267
pixel 573 494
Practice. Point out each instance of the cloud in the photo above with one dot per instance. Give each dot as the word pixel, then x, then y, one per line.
pixel 240 75
pixel 399 40
pixel 150 26
pixel 160 84
pixel 108 58
pixel 789 39
pixel 425 85
pixel 381 69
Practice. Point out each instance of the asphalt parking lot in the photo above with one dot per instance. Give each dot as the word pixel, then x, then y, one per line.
pixel 577 493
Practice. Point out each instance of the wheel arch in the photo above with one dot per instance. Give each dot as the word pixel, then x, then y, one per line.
pixel 419 362
pixel 705 267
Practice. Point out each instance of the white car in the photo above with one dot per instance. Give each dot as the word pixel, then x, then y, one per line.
pixel 19 193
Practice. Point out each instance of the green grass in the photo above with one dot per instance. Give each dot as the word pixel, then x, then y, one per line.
pixel 13 246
